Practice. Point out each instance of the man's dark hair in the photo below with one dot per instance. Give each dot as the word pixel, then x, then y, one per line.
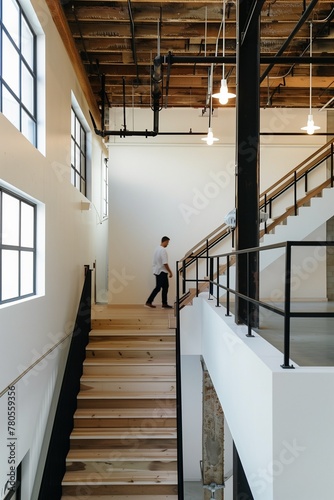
pixel 164 238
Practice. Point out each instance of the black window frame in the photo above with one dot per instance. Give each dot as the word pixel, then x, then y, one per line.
pixel 31 70
pixel 18 247
pixel 78 171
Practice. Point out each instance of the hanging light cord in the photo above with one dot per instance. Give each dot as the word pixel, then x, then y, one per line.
pixel 224 12
pixel 311 67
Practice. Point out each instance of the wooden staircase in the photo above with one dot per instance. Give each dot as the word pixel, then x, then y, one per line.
pixel 123 444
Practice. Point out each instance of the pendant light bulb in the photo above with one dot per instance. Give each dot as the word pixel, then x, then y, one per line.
pixel 209 139
pixel 223 98
pixel 224 95
pixel 310 127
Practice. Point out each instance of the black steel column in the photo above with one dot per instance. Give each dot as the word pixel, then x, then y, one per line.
pixel 247 152
pixel 241 489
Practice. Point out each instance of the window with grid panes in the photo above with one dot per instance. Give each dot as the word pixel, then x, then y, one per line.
pixel 18 78
pixel 78 154
pixel 17 247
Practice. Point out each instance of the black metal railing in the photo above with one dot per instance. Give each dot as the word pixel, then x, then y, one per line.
pixel 216 289
pixel 55 464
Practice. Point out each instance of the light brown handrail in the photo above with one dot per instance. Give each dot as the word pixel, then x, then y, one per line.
pixel 299 171
pixel 27 370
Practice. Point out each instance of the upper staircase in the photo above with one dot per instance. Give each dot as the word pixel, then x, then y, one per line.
pixel 305 191
pixel 123 444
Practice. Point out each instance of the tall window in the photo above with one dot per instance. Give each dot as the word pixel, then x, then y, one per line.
pixel 17 247
pixel 105 189
pixel 18 69
pixel 78 154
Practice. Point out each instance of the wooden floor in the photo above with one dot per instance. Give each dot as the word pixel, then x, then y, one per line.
pixel 123 445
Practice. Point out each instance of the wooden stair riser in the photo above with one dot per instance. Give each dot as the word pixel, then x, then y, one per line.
pixel 131 386
pixel 126 370
pixel 132 340
pixel 130 489
pixel 129 344
pixel 124 422
pixel 139 455
pixel 148 323
pixel 122 443
pixel 113 332
pixel 158 404
pixel 112 433
pixel 145 354
pixel 108 468
pixel 121 478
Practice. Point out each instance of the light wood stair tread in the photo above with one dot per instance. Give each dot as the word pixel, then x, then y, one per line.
pixel 136 454
pixel 93 394
pixel 104 332
pixel 125 413
pixel 143 377
pixel 131 361
pixel 121 477
pixel 124 432
pixel 131 345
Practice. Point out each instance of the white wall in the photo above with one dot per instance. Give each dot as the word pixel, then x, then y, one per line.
pixel 280 420
pixel 72 238
pixel 178 186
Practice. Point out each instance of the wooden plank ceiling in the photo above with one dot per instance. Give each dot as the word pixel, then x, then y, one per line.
pixel 120 39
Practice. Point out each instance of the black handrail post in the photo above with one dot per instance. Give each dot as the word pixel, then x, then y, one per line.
pixel 287 307
pixel 295 191
pixel 270 208
pixel 265 210
pixel 249 328
pixel 207 256
pixel 211 278
pixel 228 286
pixel 217 303
pixel 196 276
pixel 180 486
pixel 332 169
pixel 184 276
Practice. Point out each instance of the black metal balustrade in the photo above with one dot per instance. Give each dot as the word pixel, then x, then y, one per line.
pixel 221 264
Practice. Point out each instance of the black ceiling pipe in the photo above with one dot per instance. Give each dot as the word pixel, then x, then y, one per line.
pixel 300 23
pixel 172 59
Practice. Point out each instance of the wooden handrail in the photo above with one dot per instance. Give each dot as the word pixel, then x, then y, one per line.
pixel 301 169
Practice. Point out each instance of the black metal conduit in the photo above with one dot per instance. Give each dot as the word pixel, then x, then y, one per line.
pixel 300 23
pixel 157 82
pixel 133 41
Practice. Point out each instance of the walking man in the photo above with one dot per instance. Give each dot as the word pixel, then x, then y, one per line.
pixel 162 271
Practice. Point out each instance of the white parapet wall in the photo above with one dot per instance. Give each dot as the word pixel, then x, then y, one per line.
pixel 280 419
